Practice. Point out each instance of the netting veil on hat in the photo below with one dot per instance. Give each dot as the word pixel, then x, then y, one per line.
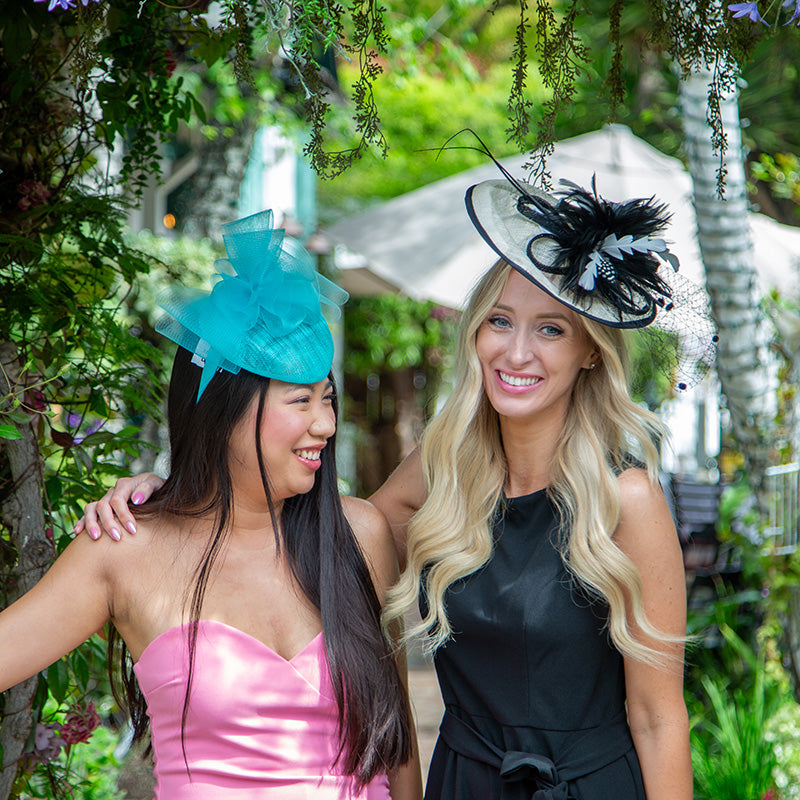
pixel 264 312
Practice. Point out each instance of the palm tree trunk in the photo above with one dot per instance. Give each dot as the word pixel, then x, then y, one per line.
pixel 746 370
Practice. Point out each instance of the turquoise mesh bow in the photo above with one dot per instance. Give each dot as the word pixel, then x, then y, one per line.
pixel 264 312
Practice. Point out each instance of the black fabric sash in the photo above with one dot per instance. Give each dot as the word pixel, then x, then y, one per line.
pixel 590 750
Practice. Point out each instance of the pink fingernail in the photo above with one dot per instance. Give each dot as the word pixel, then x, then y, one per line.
pixel 131 527
pixel 138 499
pixel 115 534
pixel 94 533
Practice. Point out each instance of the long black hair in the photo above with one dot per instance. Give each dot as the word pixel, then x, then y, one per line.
pixel 322 552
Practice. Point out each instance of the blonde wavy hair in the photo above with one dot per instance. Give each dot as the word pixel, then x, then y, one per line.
pixel 465 470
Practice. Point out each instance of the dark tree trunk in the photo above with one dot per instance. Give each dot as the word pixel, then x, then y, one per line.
pixel 23 515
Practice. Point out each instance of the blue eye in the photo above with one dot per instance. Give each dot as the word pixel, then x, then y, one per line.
pixel 552 330
pixel 499 322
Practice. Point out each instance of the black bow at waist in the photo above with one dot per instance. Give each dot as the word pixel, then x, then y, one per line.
pixel 590 750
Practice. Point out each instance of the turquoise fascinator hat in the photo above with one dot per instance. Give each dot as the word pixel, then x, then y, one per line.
pixel 263 313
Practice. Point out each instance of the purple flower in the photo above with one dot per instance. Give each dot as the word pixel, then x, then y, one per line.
pixel 44 733
pixel 47 743
pixel 72 419
pixel 66 5
pixel 93 428
pixel 746 10
pixel 796 14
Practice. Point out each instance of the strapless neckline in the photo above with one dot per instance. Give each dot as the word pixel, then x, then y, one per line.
pixel 234 631
pixel 257 726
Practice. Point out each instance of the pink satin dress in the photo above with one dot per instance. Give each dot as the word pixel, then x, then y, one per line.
pixel 259 727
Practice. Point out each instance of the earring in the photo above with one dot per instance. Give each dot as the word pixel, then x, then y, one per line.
pixel 592 366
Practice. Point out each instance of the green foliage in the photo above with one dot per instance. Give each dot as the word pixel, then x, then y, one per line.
pixel 84 771
pixel 733 759
pixel 781 173
pixel 562 55
pixel 314 27
pixel 416 129
pixel 86 77
pixel 96 767
pixel 775 574
pixel 770 96
pixel 392 332
pixel 650 369
pixel 83 379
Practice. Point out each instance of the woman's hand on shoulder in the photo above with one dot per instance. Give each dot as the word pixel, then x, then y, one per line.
pixel 374 536
pixel 111 514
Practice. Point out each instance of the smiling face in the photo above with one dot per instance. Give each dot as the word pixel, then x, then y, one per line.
pixel 531 349
pixel 297 421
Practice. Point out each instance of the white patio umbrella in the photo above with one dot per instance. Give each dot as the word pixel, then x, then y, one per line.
pixel 423 244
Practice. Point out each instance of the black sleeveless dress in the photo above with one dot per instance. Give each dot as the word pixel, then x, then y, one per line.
pixel 534 692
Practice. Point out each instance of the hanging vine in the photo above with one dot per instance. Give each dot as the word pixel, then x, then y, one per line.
pixel 697 34
pixel 138 98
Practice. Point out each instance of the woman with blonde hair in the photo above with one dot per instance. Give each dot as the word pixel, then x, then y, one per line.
pixel 530 521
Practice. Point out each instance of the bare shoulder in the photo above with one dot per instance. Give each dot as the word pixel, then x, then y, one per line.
pixel 133 565
pixel 375 539
pixel 635 485
pixel 646 523
pixel 368 523
pixel 120 554
pixel 93 556
pixel 637 493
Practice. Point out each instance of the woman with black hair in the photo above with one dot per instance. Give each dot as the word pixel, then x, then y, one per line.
pixel 245 613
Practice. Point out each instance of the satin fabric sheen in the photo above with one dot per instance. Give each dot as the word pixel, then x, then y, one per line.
pixel 259 727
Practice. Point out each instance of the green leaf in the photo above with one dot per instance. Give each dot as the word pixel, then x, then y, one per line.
pixel 16 39
pixel 82 457
pixel 98 403
pixel 19 84
pixel 58 680
pixel 40 698
pixel 54 489
pixel 9 432
pixel 101 437
pixel 59 324
pixel 80 666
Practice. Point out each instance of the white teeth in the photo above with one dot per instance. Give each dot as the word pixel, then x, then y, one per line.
pixel 309 455
pixel 514 381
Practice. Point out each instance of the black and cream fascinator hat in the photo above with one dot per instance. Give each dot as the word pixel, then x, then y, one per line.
pixel 605 260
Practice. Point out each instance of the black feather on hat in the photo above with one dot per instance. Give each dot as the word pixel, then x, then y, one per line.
pixel 601 248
